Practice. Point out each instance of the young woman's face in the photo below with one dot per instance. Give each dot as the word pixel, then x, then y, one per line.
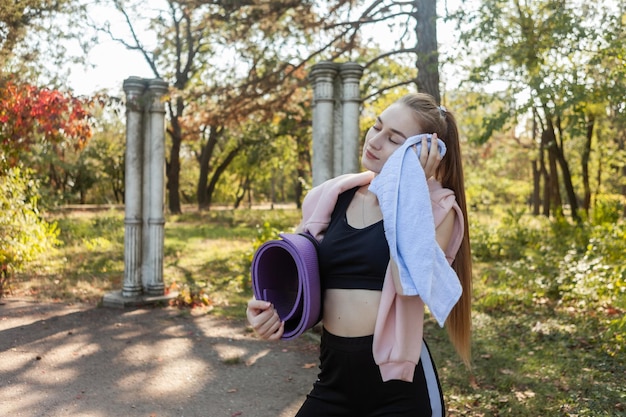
pixel 392 128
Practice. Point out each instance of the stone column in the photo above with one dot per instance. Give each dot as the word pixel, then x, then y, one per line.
pixel 351 73
pixel 146 265
pixel 133 87
pixel 337 122
pixel 144 195
pixel 155 200
pixel 322 77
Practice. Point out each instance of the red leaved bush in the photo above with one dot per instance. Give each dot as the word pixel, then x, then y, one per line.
pixel 29 113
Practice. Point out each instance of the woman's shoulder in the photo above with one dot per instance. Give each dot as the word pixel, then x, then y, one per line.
pixel 438 192
pixel 337 185
pixel 443 200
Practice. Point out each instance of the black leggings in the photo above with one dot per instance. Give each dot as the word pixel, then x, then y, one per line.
pixel 349 384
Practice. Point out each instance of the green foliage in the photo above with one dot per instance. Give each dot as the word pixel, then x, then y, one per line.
pixel 18 20
pixel 608 208
pixel 24 234
pixel 105 226
pixel 553 262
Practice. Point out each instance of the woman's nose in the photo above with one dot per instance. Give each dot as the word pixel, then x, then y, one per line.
pixel 375 141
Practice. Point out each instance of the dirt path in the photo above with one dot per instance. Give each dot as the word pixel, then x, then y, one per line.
pixel 59 360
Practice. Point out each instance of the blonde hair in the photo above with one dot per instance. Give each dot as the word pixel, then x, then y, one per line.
pixel 437 119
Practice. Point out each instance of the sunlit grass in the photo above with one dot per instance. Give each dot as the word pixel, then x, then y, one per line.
pixel 537 350
pixel 203 251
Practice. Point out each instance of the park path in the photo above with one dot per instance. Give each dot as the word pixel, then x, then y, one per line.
pixel 77 360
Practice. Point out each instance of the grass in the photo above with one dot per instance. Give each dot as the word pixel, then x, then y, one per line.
pixel 207 252
pixel 531 358
pixel 532 355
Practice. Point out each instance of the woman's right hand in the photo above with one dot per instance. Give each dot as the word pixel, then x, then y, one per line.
pixel 264 319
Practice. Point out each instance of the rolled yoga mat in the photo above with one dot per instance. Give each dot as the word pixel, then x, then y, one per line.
pixel 285 272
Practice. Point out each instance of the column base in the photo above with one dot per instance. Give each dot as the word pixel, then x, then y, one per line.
pixel 115 299
pixel 155 290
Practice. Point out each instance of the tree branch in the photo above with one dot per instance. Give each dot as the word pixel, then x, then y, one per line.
pixel 138 46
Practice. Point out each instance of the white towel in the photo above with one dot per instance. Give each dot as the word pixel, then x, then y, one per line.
pixel 404 200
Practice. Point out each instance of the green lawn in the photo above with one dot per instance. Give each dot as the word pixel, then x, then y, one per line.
pixel 540 349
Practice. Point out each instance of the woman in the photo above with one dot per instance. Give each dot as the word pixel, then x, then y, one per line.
pixel 374 361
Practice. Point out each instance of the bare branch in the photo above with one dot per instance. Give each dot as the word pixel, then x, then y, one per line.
pixel 138 46
pixel 387 88
pixel 388 54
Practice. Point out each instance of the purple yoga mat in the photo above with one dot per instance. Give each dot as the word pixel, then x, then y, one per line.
pixel 285 272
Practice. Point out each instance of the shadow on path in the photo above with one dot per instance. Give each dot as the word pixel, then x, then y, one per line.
pixel 59 360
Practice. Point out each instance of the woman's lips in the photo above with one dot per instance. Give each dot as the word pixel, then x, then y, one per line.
pixel 370 155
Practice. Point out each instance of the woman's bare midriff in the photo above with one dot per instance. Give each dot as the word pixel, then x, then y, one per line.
pixel 350 313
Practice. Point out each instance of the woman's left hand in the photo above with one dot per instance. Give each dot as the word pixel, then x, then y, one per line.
pixel 430 159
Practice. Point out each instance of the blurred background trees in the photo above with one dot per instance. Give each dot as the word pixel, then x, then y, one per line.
pixel 538 88
pixel 543 79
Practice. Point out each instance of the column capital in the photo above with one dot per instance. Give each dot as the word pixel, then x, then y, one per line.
pixel 323 71
pixel 134 85
pixel 158 86
pixel 351 71
pixel 156 89
pixel 134 88
pixel 322 77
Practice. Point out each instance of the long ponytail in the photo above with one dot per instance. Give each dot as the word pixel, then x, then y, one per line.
pixel 436 119
pixel 459 322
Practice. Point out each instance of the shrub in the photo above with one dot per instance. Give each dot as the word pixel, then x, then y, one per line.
pixel 24 234
pixel 554 261
pixel 608 208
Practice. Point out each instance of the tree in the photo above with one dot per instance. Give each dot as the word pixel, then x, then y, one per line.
pixel 416 23
pixel 227 61
pixel 90 174
pixel 29 114
pixel 233 59
pixel 16 17
pixel 33 46
pixel 543 51
pixel 278 170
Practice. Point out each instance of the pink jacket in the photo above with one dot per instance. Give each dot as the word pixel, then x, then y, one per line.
pixel 400 320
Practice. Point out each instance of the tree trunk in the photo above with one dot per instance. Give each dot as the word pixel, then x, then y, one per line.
pixel 585 165
pixel 546 177
pixel 173 177
pixel 244 184
pixel 556 155
pixel 567 182
pixel 536 197
pixel 621 145
pixel 218 173
pixel 427 64
pixel 173 165
pixel 205 167
pixel 556 203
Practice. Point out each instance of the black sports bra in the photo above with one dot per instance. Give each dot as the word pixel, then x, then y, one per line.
pixel 352 258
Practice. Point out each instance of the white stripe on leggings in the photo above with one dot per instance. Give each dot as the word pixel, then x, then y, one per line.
pixel 431 382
